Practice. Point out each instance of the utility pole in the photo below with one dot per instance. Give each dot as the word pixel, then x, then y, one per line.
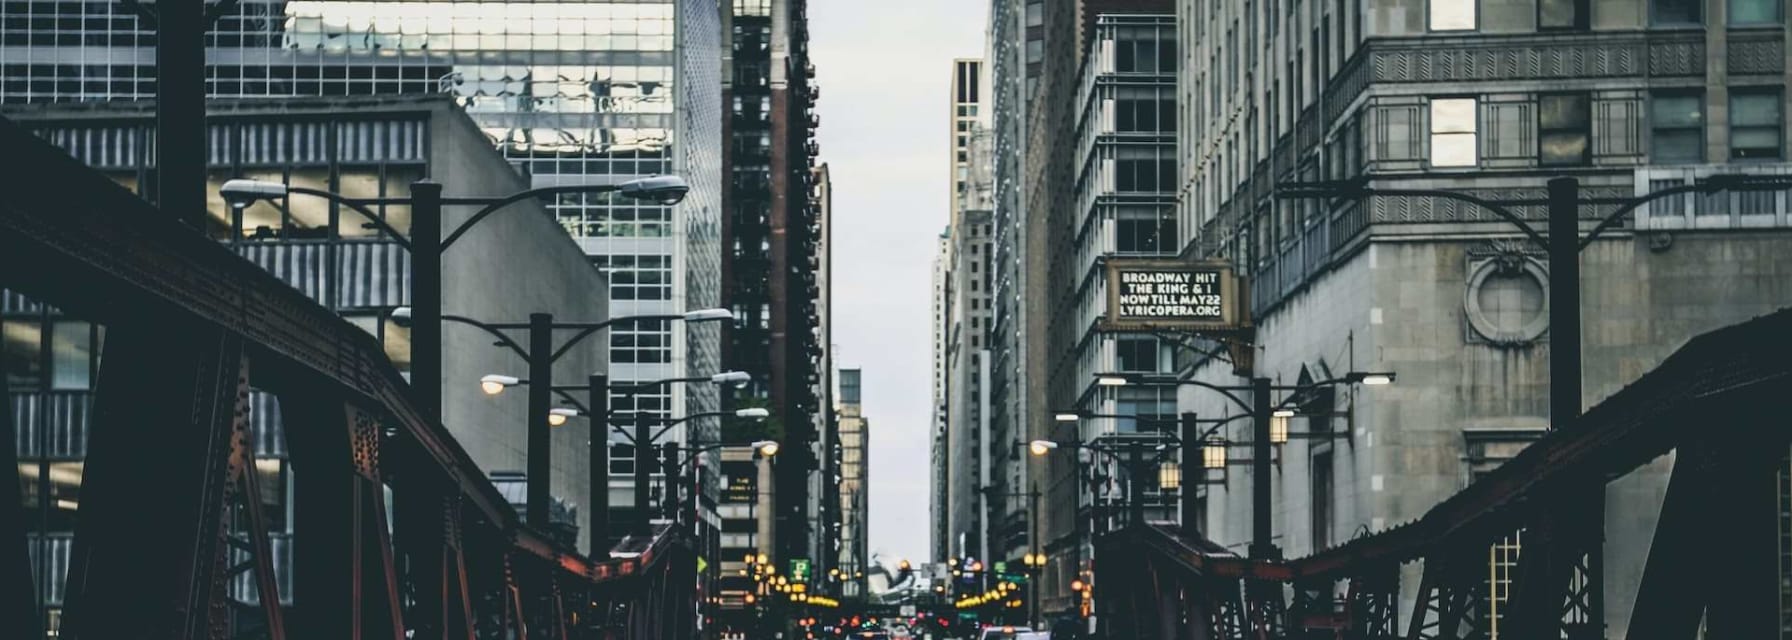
pixel 1261 545
pixel 599 402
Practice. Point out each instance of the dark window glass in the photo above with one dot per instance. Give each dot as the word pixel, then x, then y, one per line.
pixel 1136 354
pixel 1564 129
pixel 1676 12
pixel 71 356
pixel 1143 230
pixel 1754 11
pixel 1562 14
pixel 1322 500
pixel 23 342
pixel 1754 124
pixel 1676 128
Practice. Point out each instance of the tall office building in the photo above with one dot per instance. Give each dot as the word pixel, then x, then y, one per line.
pixel 967 323
pixel 774 234
pixel 940 299
pixel 1489 100
pixel 1009 401
pixel 1081 173
pixel 570 92
pixel 1125 142
pixel 855 476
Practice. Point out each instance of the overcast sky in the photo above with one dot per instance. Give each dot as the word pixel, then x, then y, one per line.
pixel 884 71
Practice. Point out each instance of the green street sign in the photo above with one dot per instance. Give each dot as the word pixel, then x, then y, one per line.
pixel 799 569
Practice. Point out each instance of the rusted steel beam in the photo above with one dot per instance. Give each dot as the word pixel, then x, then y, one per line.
pixel 343 571
pixel 156 479
pixel 248 496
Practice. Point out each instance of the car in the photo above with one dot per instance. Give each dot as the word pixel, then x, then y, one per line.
pixel 1011 633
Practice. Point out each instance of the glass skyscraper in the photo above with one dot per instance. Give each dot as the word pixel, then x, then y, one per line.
pixel 570 92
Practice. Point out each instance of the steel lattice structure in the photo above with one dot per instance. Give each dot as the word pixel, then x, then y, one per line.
pixel 163 523
pixel 1714 403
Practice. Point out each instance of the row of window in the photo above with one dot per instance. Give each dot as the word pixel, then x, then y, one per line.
pixel 1558 15
pixel 1565 125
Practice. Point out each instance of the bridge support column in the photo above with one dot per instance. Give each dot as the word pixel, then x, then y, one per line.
pixel 343 570
pixel 1451 592
pixel 429 535
pixel 1711 556
pixel 150 544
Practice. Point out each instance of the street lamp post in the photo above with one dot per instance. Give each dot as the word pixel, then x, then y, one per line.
pixel 541 354
pixel 598 409
pixel 1262 411
pixel 644 439
pixel 427 243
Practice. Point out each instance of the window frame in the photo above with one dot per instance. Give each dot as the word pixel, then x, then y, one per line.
pixel 1474 17
pixel 1697 21
pixel 1582 17
pixel 1431 132
pixel 1585 130
pixel 1698 98
pixel 1779 15
pixel 1777 97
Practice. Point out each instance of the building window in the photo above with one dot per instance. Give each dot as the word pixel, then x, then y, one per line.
pixel 1452 15
pixel 1562 15
pixel 1322 501
pixel 1676 12
pixel 1754 124
pixel 1744 12
pixel 1136 354
pixel 1143 50
pixel 1143 230
pixel 1453 132
pixel 1144 110
pixel 1144 168
pixel 1564 128
pixel 1677 128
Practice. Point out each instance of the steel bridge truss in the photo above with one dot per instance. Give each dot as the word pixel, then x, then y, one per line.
pixel 1717 404
pixel 169 514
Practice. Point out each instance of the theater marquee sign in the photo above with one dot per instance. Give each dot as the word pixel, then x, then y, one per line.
pixel 1145 295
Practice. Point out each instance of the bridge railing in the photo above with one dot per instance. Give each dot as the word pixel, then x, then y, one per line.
pixel 1717 404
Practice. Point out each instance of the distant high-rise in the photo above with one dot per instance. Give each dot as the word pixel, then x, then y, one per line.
pixel 965 349
pixel 774 234
pixel 855 474
pixel 940 300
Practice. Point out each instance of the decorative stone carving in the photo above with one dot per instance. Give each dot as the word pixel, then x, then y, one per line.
pixel 1756 54
pixel 1506 302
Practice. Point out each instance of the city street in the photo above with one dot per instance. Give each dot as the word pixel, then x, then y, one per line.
pixel 1046 320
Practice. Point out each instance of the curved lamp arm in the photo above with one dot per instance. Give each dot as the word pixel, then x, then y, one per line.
pixel 586 331
pixel 494 205
pixel 502 339
pixel 1633 205
pixel 694 416
pixel 360 206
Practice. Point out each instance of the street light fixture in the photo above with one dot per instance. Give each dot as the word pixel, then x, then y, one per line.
pixel 558 416
pixel 1069 417
pixel 1370 379
pixel 1213 454
pixel 1041 447
pixel 1169 476
pixel 1112 381
pixel 731 377
pixel 494 384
